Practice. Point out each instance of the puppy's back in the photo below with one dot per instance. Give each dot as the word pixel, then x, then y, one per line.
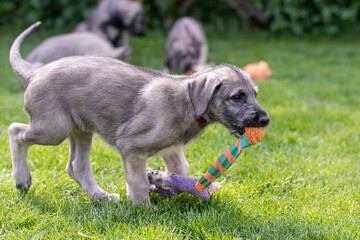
pixel 72 44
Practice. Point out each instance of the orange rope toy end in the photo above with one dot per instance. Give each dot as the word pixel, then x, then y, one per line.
pixel 254 135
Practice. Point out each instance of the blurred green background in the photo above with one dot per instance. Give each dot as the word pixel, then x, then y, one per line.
pixel 301 182
pixel 297 17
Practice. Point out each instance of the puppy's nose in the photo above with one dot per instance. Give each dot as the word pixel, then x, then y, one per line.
pixel 264 120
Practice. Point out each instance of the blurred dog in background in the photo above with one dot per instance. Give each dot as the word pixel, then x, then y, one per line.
pixel 115 20
pixel 186 45
pixel 73 44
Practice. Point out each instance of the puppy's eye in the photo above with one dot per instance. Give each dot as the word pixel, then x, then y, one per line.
pixel 237 97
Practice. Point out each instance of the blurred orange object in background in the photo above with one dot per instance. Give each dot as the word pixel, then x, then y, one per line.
pixel 258 71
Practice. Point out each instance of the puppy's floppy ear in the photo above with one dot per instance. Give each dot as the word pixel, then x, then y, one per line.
pixel 201 90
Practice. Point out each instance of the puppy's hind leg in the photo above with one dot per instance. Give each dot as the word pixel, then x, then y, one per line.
pixel 18 150
pixel 22 136
pixel 79 167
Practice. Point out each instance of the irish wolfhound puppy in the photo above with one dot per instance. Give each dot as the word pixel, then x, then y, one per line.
pixel 186 45
pixel 140 112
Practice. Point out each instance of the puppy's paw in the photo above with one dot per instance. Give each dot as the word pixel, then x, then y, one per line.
pixel 23 183
pixel 114 197
pixel 156 177
pixel 101 196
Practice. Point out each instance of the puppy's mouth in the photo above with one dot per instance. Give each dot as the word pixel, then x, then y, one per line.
pixel 238 132
pixel 237 128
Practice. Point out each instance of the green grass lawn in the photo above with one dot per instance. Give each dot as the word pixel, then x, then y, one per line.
pixel 301 182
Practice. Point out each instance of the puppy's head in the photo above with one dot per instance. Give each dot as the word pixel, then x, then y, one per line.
pixel 184 54
pixel 227 95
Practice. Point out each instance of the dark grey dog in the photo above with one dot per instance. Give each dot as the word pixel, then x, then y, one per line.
pixel 140 112
pixel 115 20
pixel 73 44
pixel 186 45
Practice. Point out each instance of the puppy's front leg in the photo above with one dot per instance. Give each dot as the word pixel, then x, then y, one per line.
pixel 137 183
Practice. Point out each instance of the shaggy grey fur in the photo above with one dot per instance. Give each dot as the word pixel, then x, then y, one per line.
pixel 186 45
pixel 140 112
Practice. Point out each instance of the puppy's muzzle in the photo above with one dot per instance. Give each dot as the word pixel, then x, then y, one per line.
pixel 261 119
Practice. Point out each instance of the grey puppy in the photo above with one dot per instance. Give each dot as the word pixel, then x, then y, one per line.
pixel 73 44
pixel 186 45
pixel 140 112
pixel 115 20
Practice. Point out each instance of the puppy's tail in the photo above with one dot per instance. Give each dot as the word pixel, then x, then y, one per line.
pixel 22 68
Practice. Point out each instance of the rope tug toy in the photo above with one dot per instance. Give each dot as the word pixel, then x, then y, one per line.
pixel 204 186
